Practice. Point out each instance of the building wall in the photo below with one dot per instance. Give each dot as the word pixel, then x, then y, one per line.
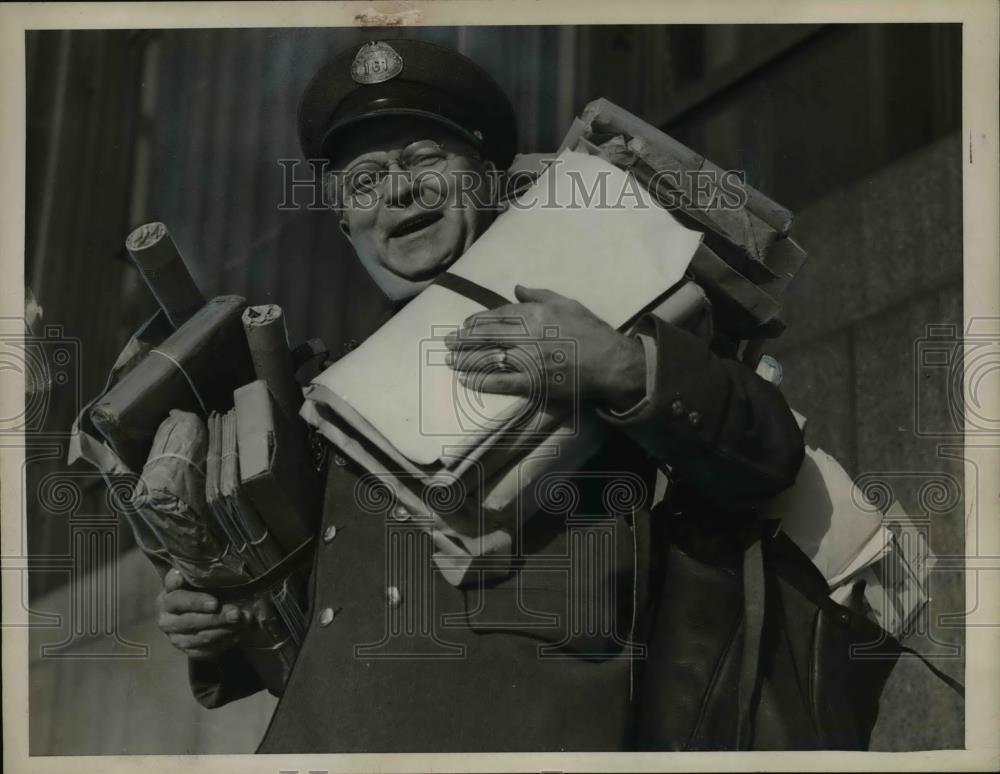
pixel 123 694
pixel 860 308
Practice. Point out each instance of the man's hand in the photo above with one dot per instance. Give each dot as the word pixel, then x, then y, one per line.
pixel 193 622
pixel 506 350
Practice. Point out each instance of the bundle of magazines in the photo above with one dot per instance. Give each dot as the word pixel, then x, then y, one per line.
pixel 200 413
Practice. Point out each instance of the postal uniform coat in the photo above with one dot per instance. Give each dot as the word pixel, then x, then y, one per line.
pixel 562 653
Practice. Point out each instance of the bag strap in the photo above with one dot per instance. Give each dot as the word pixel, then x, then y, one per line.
pixel 825 601
pixel 948 680
pixel 753 629
pixel 470 290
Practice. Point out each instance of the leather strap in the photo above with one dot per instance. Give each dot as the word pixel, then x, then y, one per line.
pixel 278 572
pixel 948 680
pixel 753 628
pixel 470 290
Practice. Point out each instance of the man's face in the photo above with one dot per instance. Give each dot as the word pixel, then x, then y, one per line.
pixel 412 189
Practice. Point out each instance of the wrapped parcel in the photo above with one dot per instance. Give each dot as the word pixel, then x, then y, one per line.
pixel 195 369
pixel 199 414
pixel 194 521
pixel 748 256
pixel 276 472
pixel 170 498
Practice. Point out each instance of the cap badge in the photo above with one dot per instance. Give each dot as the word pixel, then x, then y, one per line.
pixel 376 62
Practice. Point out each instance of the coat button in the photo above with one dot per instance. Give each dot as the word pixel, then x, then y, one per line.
pixel 393 597
pixel 677 407
pixel 339 460
pixel 399 513
pixel 326 616
pixel 694 419
pixel 329 534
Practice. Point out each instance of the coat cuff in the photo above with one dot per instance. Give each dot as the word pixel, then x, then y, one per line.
pixel 684 402
pixel 649 352
pixel 723 431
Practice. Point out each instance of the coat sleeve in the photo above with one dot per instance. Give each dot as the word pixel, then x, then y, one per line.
pixel 724 432
pixel 218 682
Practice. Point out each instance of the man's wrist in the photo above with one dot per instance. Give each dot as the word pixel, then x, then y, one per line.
pixel 626 376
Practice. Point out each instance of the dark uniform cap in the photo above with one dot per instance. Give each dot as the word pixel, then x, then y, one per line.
pixel 406 77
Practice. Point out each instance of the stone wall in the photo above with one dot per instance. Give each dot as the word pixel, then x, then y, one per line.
pixel 885 262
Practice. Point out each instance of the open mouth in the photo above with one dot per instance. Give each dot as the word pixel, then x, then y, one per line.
pixel 414 224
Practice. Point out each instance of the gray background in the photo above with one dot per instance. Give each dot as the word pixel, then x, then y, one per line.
pixel 855 128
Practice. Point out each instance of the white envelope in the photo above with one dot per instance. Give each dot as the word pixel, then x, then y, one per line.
pixel 828 517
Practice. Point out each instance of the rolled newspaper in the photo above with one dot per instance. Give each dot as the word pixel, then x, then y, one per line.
pixel 161 265
pixel 267 338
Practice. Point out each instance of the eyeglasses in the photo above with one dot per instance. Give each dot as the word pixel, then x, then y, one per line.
pixel 364 178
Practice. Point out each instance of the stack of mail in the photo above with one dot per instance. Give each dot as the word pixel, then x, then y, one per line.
pixel 856 546
pixel 895 584
pixel 242 524
pixel 891 573
pixel 747 258
pixel 169 499
pixel 279 615
pixel 189 499
pixel 277 474
pixel 399 411
pixel 226 490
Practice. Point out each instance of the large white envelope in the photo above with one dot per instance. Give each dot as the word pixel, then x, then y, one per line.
pixel 828 517
pixel 615 254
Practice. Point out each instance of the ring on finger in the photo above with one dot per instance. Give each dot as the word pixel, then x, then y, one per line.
pixel 504 361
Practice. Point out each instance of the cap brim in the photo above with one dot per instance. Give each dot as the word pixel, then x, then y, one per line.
pixel 340 127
